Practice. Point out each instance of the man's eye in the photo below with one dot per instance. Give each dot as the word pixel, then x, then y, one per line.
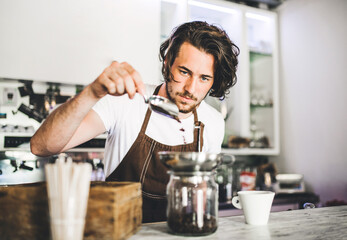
pixel 205 79
pixel 184 72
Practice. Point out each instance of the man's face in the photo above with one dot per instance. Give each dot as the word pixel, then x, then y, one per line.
pixel 193 77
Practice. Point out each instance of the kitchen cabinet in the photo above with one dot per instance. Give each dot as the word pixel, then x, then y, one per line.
pixel 74 41
pixel 251 110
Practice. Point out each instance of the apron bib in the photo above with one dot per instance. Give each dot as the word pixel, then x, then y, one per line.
pixel 142 164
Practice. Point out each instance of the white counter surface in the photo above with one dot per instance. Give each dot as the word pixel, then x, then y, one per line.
pixel 318 223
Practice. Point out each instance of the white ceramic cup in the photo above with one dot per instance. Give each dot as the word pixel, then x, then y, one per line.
pixel 256 205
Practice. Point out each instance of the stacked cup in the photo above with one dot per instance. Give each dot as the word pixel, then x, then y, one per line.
pixel 68 190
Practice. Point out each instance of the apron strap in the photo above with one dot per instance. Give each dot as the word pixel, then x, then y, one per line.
pixel 198 132
pixel 148 113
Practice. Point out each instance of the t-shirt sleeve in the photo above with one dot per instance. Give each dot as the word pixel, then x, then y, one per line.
pixel 108 108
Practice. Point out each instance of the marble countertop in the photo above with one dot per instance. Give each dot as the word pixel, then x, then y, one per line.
pixel 317 223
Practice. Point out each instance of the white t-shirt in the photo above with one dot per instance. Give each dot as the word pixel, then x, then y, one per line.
pixel 123 118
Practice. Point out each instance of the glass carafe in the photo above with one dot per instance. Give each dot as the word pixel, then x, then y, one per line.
pixel 192 203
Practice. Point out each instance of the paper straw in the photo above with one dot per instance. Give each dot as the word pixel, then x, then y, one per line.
pixel 68 186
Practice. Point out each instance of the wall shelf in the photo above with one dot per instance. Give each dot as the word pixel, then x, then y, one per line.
pixel 254 32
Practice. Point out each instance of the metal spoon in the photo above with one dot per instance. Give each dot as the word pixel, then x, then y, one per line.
pixel 162 105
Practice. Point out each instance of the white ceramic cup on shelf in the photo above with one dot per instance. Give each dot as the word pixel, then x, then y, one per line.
pixel 256 205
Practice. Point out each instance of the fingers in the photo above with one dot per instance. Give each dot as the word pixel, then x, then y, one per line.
pixel 126 80
pixel 138 83
pixel 121 78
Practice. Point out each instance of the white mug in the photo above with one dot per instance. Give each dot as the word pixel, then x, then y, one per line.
pixel 256 205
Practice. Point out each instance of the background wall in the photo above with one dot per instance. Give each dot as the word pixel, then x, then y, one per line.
pixel 74 41
pixel 313 37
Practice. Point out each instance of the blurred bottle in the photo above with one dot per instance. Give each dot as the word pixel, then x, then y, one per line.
pixel 100 176
pixel 248 178
pixel 98 171
pixel 224 179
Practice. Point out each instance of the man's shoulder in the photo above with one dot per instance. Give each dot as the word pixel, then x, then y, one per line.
pixel 122 99
pixel 150 88
pixel 120 105
pixel 209 113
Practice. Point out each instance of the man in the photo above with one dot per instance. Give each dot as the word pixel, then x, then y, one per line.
pixel 198 59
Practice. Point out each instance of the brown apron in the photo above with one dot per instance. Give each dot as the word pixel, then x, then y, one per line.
pixel 142 164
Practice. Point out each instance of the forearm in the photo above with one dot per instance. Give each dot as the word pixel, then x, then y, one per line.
pixel 59 127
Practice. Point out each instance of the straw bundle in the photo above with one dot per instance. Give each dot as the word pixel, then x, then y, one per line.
pixel 68 189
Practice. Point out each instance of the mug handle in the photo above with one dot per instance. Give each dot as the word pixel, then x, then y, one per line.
pixel 236 202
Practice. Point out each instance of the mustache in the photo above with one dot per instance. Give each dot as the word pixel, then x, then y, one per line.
pixel 187 94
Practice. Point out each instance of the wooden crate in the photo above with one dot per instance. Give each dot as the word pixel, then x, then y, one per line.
pixel 114 211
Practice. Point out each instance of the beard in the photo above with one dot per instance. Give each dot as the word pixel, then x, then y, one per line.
pixel 183 107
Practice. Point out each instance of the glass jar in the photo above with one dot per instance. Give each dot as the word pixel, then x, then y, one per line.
pixel 192 203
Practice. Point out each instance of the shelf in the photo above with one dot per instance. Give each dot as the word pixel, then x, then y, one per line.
pixel 251 151
pixel 261 106
pixel 254 32
pixel 259 53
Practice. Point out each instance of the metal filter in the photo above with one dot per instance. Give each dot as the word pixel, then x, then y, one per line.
pixel 194 161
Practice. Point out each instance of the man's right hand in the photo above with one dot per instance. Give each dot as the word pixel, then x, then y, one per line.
pixel 118 79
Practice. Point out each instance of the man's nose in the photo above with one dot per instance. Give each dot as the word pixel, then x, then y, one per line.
pixel 190 85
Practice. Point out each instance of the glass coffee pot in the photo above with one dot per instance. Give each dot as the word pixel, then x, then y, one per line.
pixel 192 192
pixel 192 203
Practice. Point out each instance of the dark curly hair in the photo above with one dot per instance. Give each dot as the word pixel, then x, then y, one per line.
pixel 210 39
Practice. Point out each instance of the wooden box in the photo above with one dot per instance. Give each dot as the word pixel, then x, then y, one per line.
pixel 114 211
